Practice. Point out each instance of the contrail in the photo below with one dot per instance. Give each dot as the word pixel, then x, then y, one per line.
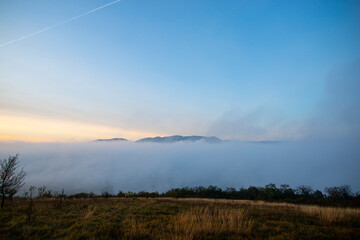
pixel 57 24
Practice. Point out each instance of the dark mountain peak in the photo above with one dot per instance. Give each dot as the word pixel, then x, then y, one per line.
pixel 110 140
pixel 179 138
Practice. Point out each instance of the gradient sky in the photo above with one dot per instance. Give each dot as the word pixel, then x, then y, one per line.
pixel 248 70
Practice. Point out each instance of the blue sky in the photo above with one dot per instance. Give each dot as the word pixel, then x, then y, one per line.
pixel 141 68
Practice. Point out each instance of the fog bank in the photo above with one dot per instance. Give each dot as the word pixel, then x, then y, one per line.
pixel 131 166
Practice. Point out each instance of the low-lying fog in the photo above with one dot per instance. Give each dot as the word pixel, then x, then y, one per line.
pixel 131 166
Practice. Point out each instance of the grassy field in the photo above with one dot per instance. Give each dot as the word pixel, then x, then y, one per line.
pixel 167 218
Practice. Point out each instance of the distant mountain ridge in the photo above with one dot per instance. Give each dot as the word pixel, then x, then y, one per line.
pixel 110 140
pixel 179 138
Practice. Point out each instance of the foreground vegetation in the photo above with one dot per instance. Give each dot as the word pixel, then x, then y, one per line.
pixel 170 218
pixel 333 196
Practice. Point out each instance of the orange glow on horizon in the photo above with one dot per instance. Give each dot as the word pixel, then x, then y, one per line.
pixel 41 129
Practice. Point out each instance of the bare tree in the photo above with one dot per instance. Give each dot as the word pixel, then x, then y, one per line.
pixel 11 179
pixel 305 191
pixel 41 191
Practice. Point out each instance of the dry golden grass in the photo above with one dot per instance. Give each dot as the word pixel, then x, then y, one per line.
pixel 243 203
pixel 208 220
pixel 330 215
pixel 327 215
pixel 137 227
pixel 195 223
pixel 90 212
pixel 169 218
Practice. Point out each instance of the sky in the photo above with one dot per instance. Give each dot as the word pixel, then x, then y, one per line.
pixel 243 70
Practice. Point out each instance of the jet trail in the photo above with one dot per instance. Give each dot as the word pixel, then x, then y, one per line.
pixel 57 24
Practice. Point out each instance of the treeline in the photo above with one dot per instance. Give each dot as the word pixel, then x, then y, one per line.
pixel 338 195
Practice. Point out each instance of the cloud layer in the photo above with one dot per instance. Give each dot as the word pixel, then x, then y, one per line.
pixel 158 167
